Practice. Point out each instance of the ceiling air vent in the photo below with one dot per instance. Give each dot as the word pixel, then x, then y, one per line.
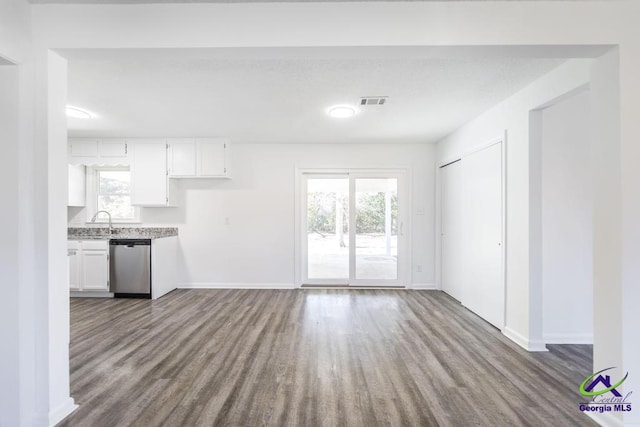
pixel 373 100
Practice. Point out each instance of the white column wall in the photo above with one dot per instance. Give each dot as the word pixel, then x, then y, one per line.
pixel 630 224
pixel 52 299
pixel 607 238
pixel 567 222
pixel 9 254
pixel 17 332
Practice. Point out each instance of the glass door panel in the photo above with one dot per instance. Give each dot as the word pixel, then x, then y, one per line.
pixel 352 229
pixel 376 229
pixel 327 230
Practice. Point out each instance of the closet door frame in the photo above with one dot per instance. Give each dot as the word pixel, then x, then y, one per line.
pixel 456 157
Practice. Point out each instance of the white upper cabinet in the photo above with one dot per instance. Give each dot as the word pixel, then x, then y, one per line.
pixel 83 148
pixel 212 158
pixel 84 151
pixel 149 176
pixel 113 148
pixel 198 158
pixel 77 185
pixel 182 158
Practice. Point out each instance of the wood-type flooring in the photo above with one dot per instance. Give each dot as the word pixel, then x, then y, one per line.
pixel 311 357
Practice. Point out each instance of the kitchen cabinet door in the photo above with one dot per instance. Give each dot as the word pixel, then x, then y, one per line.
pixel 107 152
pixel 182 159
pixel 77 186
pixel 74 266
pixel 149 174
pixel 83 148
pixel 95 270
pixel 113 148
pixel 212 158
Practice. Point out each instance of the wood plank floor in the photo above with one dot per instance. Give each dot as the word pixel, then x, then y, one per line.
pixel 314 358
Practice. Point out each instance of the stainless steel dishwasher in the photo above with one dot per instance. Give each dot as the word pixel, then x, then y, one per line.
pixel 130 268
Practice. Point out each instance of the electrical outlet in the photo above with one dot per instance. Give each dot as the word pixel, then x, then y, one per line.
pixel 418 268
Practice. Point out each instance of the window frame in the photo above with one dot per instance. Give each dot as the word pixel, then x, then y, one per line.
pixel 93 192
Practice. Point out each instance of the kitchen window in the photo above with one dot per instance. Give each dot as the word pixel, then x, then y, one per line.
pixel 113 194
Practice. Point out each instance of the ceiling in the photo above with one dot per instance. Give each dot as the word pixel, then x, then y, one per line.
pixel 283 94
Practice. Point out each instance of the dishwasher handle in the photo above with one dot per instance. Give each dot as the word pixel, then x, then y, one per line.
pixel 130 243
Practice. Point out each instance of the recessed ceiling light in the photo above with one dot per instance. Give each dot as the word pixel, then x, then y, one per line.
pixel 342 111
pixel 78 113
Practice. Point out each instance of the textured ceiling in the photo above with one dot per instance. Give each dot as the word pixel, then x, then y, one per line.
pixel 282 95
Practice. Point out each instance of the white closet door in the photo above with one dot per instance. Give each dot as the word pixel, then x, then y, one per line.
pixel 484 278
pixel 452 221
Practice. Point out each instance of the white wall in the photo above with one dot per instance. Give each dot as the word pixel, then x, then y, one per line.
pixel 512 116
pixel 625 64
pixel 17 332
pixel 51 233
pixel 567 222
pixel 257 246
pixel 608 333
pixel 9 255
pixel 529 23
pixel 15 30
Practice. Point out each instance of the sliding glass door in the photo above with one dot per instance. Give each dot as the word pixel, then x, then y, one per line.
pixel 327 229
pixel 352 229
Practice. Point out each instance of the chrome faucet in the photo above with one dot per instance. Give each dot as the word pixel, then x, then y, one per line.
pixel 108 214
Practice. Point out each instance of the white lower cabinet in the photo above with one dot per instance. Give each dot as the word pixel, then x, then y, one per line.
pixel 74 265
pixel 89 265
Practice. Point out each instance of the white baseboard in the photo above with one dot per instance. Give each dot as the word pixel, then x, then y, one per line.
pixel 227 285
pixel 527 344
pixel 607 419
pixel 62 411
pixel 428 286
pixel 568 338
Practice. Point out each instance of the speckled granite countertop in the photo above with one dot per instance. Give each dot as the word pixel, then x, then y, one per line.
pixel 102 233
